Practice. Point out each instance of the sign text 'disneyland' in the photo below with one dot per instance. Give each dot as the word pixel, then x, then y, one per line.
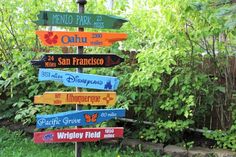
pixel 73 79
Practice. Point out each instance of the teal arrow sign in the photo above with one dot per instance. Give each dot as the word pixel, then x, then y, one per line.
pixel 48 18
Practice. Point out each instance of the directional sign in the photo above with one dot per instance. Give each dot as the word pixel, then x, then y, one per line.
pixel 78 118
pixel 73 79
pixel 59 38
pixel 78 135
pixel 48 18
pixel 83 98
pixel 77 60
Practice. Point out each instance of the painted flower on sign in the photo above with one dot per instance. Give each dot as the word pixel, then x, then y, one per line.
pixel 50 39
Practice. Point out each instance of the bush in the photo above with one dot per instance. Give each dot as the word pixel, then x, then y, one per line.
pixel 165 78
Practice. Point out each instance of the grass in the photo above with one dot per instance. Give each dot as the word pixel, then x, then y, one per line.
pixel 14 144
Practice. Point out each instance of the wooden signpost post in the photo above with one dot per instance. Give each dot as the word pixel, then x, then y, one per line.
pixel 78 79
pixel 83 98
pixel 78 60
pixel 49 18
pixel 80 50
pixel 58 38
pixel 78 118
pixel 78 135
pixel 73 79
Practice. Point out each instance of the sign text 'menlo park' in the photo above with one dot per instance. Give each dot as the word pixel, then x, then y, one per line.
pixel 60 38
pixel 48 18
pixel 77 60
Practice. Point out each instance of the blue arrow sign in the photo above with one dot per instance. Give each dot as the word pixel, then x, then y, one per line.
pixel 82 80
pixel 78 118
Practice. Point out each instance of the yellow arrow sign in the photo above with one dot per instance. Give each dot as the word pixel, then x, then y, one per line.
pixel 83 98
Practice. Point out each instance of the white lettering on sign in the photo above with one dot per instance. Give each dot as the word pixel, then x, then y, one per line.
pixel 99 18
pixel 93 134
pixel 62 19
pixel 112 114
pixel 67 121
pixel 98 24
pixel 83 20
pixel 74 135
pixel 103 114
pixel 109 136
pixel 109 131
pixel 51 122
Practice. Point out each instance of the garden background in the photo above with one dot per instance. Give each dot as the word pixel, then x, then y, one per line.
pixel 178 75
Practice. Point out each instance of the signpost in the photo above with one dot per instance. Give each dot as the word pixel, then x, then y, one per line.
pixel 73 79
pixel 78 60
pixel 80 50
pixel 78 135
pixel 49 18
pixel 78 79
pixel 83 98
pixel 78 118
pixel 59 38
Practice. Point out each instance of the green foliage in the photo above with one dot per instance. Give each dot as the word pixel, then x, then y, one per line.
pixel 189 145
pixel 167 86
pixel 225 139
pixel 19 84
pixel 14 144
pixel 167 81
pixel 18 46
pixel 176 55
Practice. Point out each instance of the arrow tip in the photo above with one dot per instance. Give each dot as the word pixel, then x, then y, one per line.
pixel 36 63
pixel 38 99
pixel 36 22
pixel 122 59
pixel 119 23
pixel 41 22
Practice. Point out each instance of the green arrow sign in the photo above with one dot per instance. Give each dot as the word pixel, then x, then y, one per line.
pixel 48 18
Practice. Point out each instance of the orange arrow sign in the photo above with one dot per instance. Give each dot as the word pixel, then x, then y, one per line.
pixel 83 98
pixel 58 38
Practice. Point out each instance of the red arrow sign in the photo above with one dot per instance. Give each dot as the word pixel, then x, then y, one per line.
pixel 78 135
